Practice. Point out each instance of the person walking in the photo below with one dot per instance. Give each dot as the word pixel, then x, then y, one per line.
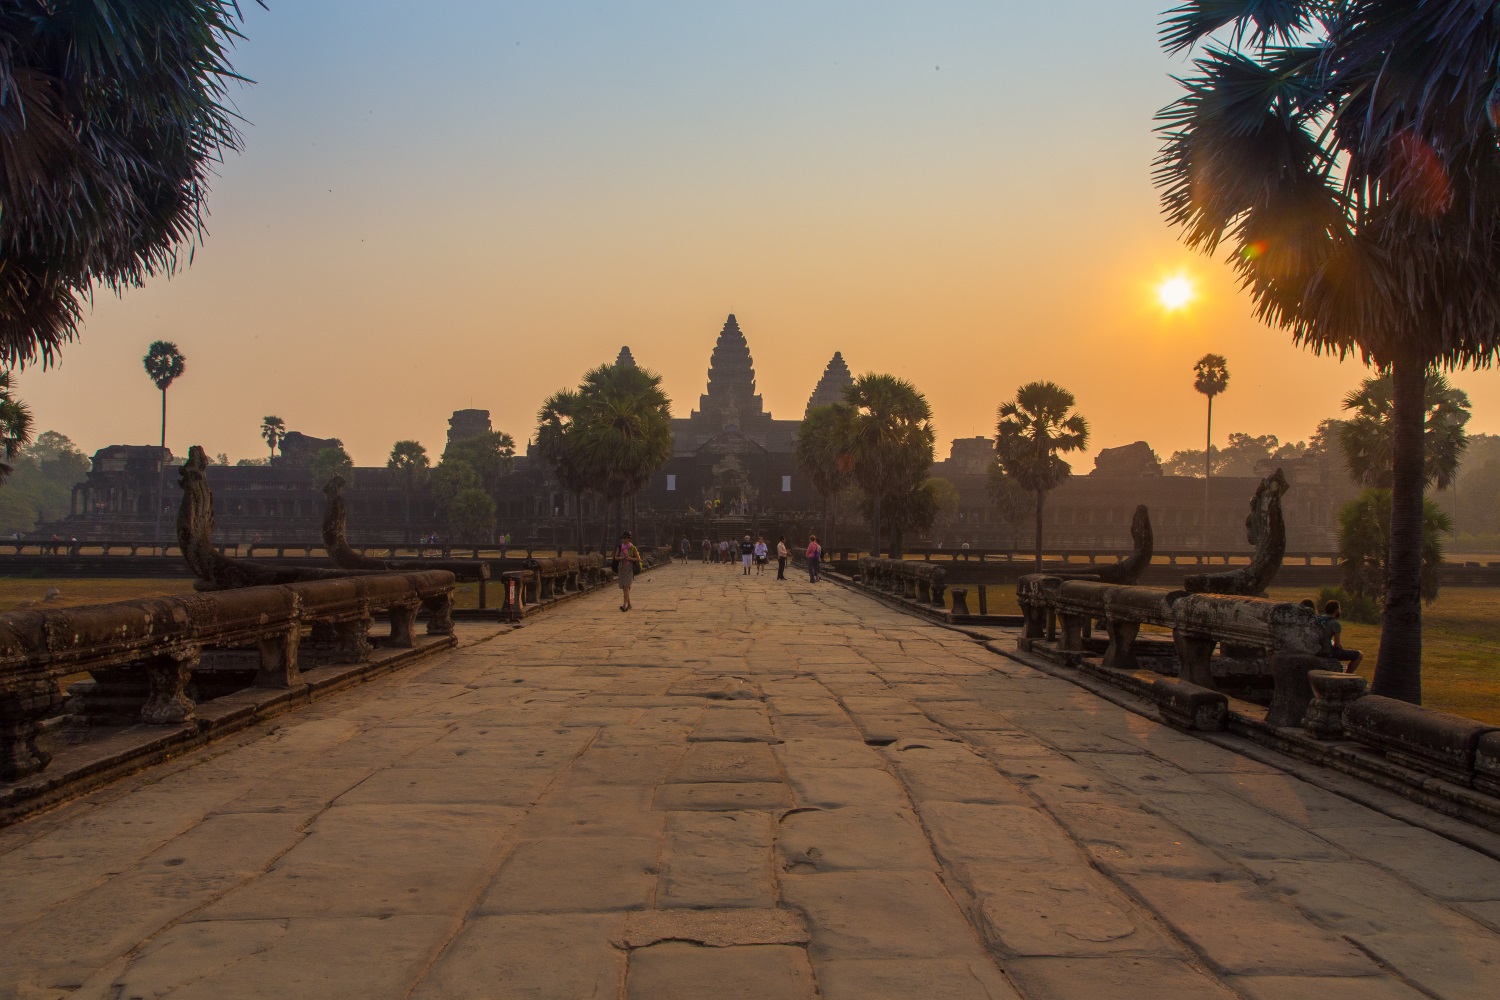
pixel 686 547
pixel 628 562
pixel 762 552
pixel 781 555
pixel 814 556
pixel 707 545
pixel 747 553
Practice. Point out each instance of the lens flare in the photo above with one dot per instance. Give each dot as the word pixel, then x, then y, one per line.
pixel 1175 293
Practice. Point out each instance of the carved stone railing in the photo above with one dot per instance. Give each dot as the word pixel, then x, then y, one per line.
pixel 143 653
pixel 922 581
pixel 1250 626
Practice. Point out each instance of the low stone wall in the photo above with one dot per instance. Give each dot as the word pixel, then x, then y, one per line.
pixel 142 655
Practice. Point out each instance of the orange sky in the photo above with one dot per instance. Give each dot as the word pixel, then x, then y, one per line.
pixel 960 195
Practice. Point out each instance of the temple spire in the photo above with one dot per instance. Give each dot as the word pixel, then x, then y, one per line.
pixel 625 360
pixel 731 375
pixel 830 388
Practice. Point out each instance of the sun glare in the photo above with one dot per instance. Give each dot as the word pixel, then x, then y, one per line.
pixel 1174 293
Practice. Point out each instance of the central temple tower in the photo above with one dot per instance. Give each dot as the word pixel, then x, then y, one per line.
pixel 731 400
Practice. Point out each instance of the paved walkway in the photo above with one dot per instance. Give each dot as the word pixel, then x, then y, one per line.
pixel 742 789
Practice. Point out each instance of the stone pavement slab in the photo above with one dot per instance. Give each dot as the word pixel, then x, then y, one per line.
pixel 744 788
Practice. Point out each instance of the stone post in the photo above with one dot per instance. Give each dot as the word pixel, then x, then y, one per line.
pixel 354 639
pixel 1195 652
pixel 403 625
pixel 22 710
pixel 168 673
pixel 960 600
pixel 280 663
pixel 441 609
pixel 1332 693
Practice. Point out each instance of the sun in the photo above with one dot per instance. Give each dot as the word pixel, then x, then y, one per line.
pixel 1175 293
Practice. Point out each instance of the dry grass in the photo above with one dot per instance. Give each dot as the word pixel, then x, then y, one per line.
pixel 23 592
pixel 1460 650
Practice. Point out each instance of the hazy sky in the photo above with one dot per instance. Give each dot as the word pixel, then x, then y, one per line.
pixel 468 203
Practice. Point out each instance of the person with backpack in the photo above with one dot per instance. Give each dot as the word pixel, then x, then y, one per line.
pixel 1330 644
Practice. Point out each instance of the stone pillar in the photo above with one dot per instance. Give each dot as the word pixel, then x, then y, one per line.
pixel 168 674
pixel 960 600
pixel 1195 652
pixel 403 625
pixel 441 609
pixel 1120 653
pixel 1292 693
pixel 1332 693
pixel 280 661
pixel 354 640
pixel 22 710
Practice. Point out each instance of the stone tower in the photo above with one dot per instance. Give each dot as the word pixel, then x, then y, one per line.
pixel 731 380
pixel 625 360
pixel 830 388
pixel 467 424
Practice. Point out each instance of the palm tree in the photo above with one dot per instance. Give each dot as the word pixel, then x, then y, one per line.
pixel 15 424
pixel 1345 151
pixel 1366 438
pixel 1210 377
pixel 822 455
pixel 626 430
pixel 408 460
pixel 558 444
pixel 163 362
pixel 272 430
pixel 890 441
pixel 1031 433
pixel 113 119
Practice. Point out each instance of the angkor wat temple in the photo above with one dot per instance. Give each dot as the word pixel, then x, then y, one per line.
pixel 728 449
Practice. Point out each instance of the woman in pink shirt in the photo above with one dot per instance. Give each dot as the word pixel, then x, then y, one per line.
pixel 814 556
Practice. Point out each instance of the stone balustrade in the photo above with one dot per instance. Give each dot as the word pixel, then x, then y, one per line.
pixel 922 581
pixel 142 654
pixel 1250 627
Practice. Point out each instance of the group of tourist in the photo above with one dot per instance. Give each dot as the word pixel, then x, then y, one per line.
pixel 626 561
pixel 748 553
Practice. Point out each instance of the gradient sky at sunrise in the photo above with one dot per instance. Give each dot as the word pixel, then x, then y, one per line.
pixel 467 203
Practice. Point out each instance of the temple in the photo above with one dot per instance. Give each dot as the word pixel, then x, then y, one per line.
pixel 730 449
pixel 727 449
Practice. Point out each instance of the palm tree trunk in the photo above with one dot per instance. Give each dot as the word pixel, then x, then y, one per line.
pixel 1208 471
pixel 1398 671
pixel 578 512
pixel 164 418
pixel 1041 498
pixel 875 528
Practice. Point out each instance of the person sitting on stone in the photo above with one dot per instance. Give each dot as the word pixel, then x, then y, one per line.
pixel 1331 644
